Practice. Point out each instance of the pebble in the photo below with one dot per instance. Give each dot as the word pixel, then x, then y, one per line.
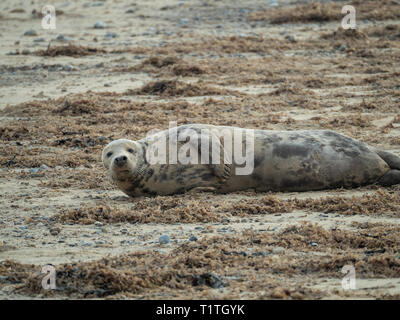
pixel 261 253
pixel 61 37
pixel 55 231
pixel 43 167
pixel 314 244
pixel 193 238
pixel 123 231
pixel 164 239
pixel 211 280
pixel 127 242
pixel 31 32
pixel 273 3
pixel 278 250
pixel 39 40
pixel 342 47
pixel 85 243
pixel 98 223
pixel 69 67
pixel 111 35
pixel 291 39
pixel 100 25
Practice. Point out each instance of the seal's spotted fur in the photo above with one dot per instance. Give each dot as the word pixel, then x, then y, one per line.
pixel 283 161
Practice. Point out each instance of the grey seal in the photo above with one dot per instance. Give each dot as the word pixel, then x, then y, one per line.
pixel 281 161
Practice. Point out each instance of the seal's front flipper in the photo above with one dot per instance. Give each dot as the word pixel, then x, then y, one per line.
pixel 390 178
pixel 391 159
pixel 210 150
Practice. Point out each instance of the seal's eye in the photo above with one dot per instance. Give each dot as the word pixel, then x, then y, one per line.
pixel 109 154
pixel 130 150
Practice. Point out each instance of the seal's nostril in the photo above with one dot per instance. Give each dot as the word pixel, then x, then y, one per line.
pixel 121 160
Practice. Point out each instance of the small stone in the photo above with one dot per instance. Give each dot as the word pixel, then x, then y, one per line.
pixel 261 253
pixel 193 238
pixel 111 35
pixel 68 67
pixel 314 244
pixel 85 243
pixel 25 52
pixel 30 33
pixel 43 167
pixel 34 170
pixel 98 223
pixel 123 231
pixel 212 280
pixel 273 3
pixel 291 38
pixel 39 40
pixel 278 250
pixel 164 239
pixel 100 25
pixel 342 47
pixel 55 231
pixel 61 37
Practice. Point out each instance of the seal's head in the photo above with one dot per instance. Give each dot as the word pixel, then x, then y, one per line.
pixel 122 158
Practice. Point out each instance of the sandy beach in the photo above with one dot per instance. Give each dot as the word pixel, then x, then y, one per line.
pixel 118 69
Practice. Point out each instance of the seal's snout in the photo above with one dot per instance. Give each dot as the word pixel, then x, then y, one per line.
pixel 120 161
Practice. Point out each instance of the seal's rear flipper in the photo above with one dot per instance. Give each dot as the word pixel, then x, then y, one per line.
pixel 390 178
pixel 391 159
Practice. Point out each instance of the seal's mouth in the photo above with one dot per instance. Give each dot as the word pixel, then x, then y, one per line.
pixel 120 171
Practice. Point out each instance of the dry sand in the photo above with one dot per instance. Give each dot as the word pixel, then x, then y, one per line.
pixel 221 62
